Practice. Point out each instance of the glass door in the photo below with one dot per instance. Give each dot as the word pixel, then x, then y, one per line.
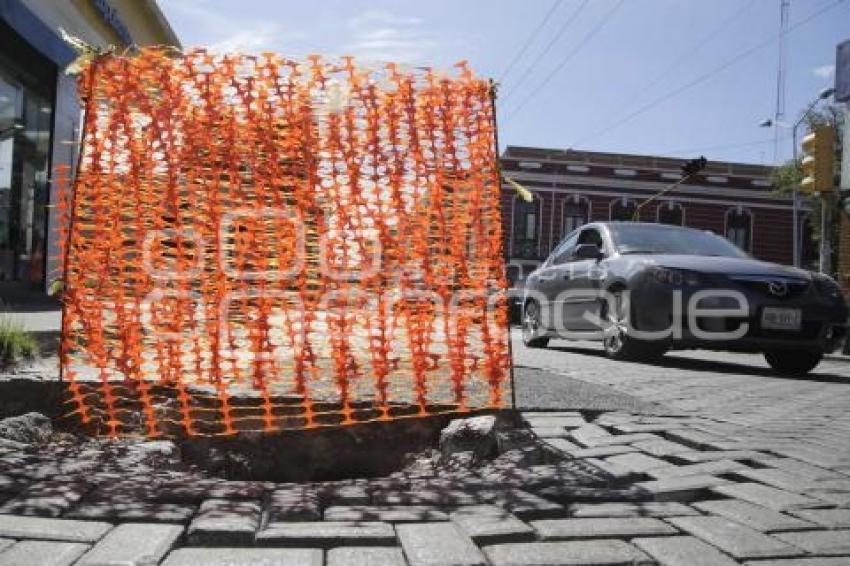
pixel 25 121
pixel 11 113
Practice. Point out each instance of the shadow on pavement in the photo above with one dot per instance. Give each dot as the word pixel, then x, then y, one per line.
pixel 673 361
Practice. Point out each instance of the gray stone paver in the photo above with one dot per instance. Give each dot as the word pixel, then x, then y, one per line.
pixel 767 496
pixel 245 557
pixel 820 561
pixel 830 518
pixel 42 553
pixel 625 527
pixel 683 551
pixel 365 556
pixel 638 462
pixel 820 543
pixel 661 447
pixel 133 544
pixel 6 543
pixel 781 479
pixel 325 534
pixel 489 524
pixel 644 509
pixel 12 526
pixel 571 553
pixel 712 467
pixel 437 544
pixel 708 455
pixel 754 516
pixel 801 468
pixel 225 522
pixel 527 505
pixel 602 451
pixel 136 511
pixel 684 488
pixel 386 513
pixel 734 538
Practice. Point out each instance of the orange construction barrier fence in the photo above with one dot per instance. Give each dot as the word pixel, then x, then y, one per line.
pixel 255 243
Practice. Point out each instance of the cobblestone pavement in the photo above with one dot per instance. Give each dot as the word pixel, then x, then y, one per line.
pixel 706 459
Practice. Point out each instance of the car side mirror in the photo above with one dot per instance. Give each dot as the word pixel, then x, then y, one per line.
pixel 588 251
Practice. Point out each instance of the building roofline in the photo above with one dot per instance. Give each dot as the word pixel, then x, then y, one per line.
pixel 156 12
pixel 630 160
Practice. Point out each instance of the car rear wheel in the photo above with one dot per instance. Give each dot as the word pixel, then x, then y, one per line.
pixel 617 342
pixel 532 327
pixel 790 362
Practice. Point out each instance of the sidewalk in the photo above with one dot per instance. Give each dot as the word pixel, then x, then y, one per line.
pixel 680 491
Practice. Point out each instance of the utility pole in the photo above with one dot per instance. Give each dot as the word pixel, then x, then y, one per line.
pixel 842 95
pixel 779 115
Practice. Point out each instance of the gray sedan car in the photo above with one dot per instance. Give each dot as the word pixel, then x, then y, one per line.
pixel 642 289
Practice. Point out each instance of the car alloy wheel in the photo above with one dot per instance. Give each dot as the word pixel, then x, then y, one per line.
pixel 614 335
pixel 617 341
pixel 531 327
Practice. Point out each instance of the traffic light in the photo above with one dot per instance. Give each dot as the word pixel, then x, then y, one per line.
pixel 693 166
pixel 819 148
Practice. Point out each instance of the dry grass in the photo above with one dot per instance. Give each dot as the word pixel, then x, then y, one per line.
pixel 16 344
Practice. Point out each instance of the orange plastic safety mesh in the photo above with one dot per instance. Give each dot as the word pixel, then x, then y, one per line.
pixel 258 244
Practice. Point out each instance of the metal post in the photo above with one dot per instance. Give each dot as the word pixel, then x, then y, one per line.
pixel 845 157
pixel 795 206
pixel 493 91
pixel 825 264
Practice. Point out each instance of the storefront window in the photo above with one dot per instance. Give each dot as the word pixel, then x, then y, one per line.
pixel 25 125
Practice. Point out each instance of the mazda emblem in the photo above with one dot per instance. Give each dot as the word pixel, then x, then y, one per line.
pixel 778 288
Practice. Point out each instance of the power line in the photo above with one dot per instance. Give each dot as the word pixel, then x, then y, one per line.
pixel 530 39
pixel 684 56
pixel 714 147
pixel 566 59
pixel 702 78
pixel 548 47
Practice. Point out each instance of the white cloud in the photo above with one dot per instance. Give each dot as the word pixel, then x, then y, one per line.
pixel 257 39
pixel 380 35
pixel 228 34
pixel 380 17
pixel 824 71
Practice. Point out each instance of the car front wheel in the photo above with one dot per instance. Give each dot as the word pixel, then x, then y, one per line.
pixel 790 362
pixel 618 344
pixel 532 327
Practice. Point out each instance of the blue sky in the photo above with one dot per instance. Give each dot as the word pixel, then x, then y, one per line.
pixel 594 63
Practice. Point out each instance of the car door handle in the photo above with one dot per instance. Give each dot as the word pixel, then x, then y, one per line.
pixel 566 276
pixel 545 277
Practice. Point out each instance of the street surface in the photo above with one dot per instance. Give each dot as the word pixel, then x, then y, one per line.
pixel 806 415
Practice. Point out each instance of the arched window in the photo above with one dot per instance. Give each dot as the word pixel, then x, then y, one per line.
pixel 526 227
pixel 671 213
pixel 575 213
pixel 739 227
pixel 622 209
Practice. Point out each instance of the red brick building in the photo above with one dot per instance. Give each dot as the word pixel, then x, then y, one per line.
pixel 574 187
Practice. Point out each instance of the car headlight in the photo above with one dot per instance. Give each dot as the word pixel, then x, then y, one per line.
pixel 675 277
pixel 827 286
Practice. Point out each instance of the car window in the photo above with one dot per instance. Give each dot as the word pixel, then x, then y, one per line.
pixel 661 239
pixel 564 252
pixel 591 236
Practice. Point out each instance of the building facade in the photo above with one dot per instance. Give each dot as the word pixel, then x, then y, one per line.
pixel 40 115
pixel 572 188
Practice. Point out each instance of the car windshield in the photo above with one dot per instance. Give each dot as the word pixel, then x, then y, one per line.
pixel 656 239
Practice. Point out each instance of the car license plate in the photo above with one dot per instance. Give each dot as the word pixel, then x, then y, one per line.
pixel 774 318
